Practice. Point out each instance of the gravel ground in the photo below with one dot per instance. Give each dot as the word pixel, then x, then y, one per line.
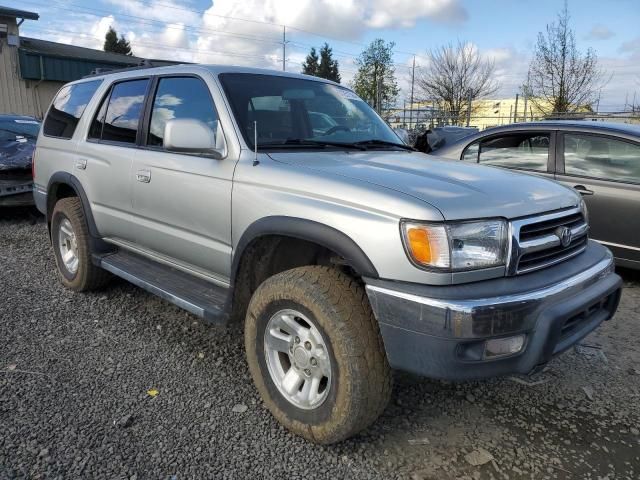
pixel 76 369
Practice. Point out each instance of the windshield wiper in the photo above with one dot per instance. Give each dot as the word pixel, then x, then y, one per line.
pixel 383 143
pixel 299 142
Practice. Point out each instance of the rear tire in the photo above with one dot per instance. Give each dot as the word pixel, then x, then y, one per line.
pixel 70 239
pixel 327 324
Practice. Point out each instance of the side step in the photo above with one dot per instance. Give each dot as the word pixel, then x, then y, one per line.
pixel 195 295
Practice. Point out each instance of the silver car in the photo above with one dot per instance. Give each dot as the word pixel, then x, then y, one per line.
pixel 345 252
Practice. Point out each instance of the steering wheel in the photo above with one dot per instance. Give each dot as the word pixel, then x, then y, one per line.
pixel 335 129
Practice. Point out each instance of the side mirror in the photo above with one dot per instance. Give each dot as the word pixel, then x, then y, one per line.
pixel 187 135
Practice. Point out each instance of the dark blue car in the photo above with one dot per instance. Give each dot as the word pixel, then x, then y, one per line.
pixel 18 136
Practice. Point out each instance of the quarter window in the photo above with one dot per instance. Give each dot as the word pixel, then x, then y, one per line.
pixel 178 98
pixel 67 108
pixel 527 151
pixel 601 157
pixel 123 112
pixel 471 153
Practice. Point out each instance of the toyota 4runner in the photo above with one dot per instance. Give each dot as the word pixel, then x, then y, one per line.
pixel 285 202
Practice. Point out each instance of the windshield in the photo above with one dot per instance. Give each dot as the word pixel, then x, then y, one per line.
pixel 302 113
pixel 18 127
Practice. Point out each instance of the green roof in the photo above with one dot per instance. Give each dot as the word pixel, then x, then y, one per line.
pixel 15 13
pixel 45 60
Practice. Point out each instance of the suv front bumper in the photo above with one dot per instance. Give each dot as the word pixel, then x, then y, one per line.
pixel 441 332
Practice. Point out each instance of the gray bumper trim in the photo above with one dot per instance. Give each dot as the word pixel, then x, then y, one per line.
pixel 603 267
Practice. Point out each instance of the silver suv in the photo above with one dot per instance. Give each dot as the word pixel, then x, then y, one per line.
pixel 344 252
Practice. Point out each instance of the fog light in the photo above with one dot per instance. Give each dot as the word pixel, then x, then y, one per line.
pixel 499 347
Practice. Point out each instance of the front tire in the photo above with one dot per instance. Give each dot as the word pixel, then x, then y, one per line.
pixel 70 240
pixel 315 353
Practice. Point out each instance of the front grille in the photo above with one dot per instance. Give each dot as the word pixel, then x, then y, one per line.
pixel 538 243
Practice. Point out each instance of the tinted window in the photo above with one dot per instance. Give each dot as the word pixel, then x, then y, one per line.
pixel 526 151
pixel 124 111
pixel 67 108
pixel 178 98
pixel 601 157
pixel 18 127
pixel 95 130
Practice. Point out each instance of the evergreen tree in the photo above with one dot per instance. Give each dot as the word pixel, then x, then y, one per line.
pixel 116 45
pixel 310 65
pixel 375 80
pixel 328 67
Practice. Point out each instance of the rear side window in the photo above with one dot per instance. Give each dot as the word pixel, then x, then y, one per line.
pixel 68 107
pixel 527 151
pixel 123 112
pixel 180 98
pixel 601 157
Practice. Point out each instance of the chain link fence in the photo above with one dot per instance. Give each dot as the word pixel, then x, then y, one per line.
pixel 418 120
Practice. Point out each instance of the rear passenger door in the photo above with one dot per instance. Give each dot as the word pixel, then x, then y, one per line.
pixel 105 158
pixel 182 202
pixel 528 152
pixel 606 171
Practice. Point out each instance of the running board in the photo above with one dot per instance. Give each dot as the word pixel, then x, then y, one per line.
pixel 195 295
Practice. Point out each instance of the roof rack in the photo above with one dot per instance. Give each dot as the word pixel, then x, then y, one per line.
pixel 144 64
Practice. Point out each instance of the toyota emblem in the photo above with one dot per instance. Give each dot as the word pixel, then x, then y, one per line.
pixel 564 234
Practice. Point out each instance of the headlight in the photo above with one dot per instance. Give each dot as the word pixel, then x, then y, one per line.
pixel 583 209
pixel 456 246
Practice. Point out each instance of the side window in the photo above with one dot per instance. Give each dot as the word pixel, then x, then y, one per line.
pixel 124 110
pixel 180 97
pixel 95 130
pixel 68 107
pixel 470 153
pixel 601 157
pixel 528 151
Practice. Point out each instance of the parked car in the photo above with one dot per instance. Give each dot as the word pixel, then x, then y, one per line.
pixel 345 253
pixel 600 160
pixel 436 138
pixel 17 141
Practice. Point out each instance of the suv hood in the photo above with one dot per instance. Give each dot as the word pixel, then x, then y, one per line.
pixel 459 190
pixel 15 155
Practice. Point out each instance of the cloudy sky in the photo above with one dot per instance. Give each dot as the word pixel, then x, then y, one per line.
pixel 249 32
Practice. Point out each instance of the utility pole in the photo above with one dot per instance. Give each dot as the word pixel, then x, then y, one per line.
pixel 413 78
pixel 515 113
pixel 469 109
pixel 284 48
pixel 526 97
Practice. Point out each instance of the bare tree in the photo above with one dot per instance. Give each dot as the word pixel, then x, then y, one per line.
pixel 562 79
pixel 455 76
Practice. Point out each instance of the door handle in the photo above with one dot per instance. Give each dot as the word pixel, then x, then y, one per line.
pixel 143 176
pixel 81 163
pixel 582 190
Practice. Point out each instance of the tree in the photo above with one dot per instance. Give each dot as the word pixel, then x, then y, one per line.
pixel 328 67
pixel 310 65
pixel 562 79
pixel 456 76
pixel 324 66
pixel 375 80
pixel 116 45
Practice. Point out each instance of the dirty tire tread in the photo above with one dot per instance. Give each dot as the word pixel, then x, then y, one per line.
pixel 356 338
pixel 89 276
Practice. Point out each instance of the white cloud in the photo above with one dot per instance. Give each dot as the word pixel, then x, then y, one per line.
pixel 405 13
pixel 599 32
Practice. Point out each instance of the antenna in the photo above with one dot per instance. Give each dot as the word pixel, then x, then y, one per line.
pixel 255 143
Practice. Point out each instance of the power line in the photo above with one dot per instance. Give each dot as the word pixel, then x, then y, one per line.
pixel 157 22
pixel 156 44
